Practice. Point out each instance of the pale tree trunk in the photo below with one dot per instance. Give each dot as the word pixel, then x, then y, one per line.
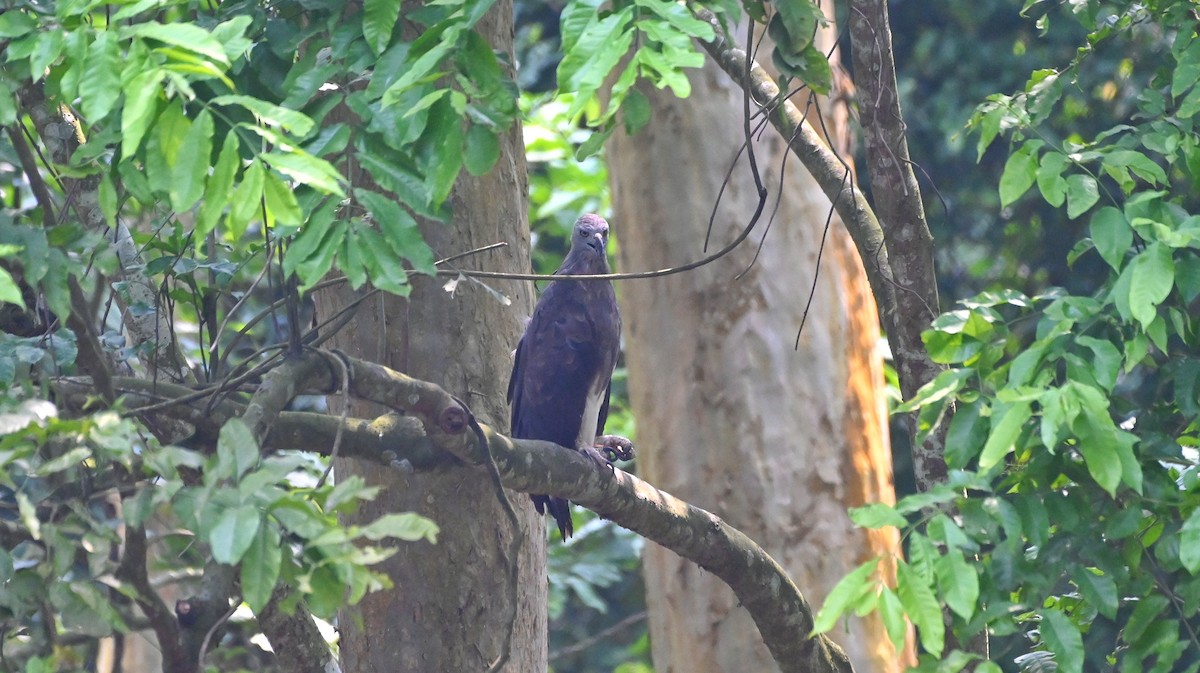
pixel 777 441
pixel 451 608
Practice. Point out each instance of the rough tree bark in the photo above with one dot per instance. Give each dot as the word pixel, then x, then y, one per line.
pixel 452 607
pixel 777 441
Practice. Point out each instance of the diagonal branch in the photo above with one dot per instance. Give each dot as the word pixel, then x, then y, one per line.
pixel 438 423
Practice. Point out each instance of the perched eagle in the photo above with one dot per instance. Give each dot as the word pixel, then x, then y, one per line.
pixel 563 369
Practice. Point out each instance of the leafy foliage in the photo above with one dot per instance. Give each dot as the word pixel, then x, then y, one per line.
pixel 1072 418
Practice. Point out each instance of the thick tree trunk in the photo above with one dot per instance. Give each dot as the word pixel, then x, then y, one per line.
pixel 451 608
pixel 777 441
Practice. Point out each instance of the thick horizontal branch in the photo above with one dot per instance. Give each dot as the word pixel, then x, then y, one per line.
pixel 437 423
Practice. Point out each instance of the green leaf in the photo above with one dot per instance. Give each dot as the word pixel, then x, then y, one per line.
pixel 15 23
pixel 246 205
pixel 1050 180
pixel 423 66
pixel 270 114
pixel 399 230
pixel 843 595
pixel 1063 638
pixel 1020 172
pixel 407 526
pixel 216 192
pixel 191 164
pixel 1082 194
pixel 1141 165
pixel 1100 590
pixel 1189 543
pixel 922 608
pixel 235 530
pixel 1112 235
pixel 184 35
pixel 594 55
pixel 1151 277
pixel 260 568
pixel 9 292
pixel 101 84
pixel 379 20
pixel 965 436
pixel 281 201
pixel 957 582
pixel 481 151
pixel 636 112
pixel 307 169
pixel 237 450
pixel 945 384
pixel 1005 430
pixel 800 19
pixel 383 265
pixel 877 515
pixel 892 614
pixel 1105 362
pixel 141 106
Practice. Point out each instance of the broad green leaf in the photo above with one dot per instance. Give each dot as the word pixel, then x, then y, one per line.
pixel 922 608
pixel 235 530
pixel 191 165
pixel 15 23
pixel 877 515
pixel 843 594
pixel 946 383
pixel 1050 180
pixel 598 50
pixel 1006 427
pixel 310 256
pixel 1020 172
pixel 1063 638
pixel 260 568
pixel 184 35
pixel 270 114
pixel 1100 590
pixel 1189 543
pixel 1105 362
pixel 216 192
pixel 1082 194
pixel 423 66
pixel 957 582
pixel 100 86
pixel 1141 165
pixel 481 150
pixel 383 265
pixel 246 205
pixel 1187 70
pixel 9 292
pixel 307 169
pixel 399 230
pixel 141 106
pixel 798 14
pixel 892 614
pixel 378 22
pixel 237 450
pixel 405 526
pixel 280 200
pixel 1112 235
pixel 1151 276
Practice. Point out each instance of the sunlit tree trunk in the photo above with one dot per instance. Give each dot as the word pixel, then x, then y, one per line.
pixel 731 417
pixel 451 608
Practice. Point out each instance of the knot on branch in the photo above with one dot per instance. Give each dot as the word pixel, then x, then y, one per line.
pixel 454 420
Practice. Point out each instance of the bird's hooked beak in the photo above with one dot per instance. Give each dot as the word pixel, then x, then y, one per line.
pixel 596 241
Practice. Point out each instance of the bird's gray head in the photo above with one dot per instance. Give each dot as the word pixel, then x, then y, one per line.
pixel 590 236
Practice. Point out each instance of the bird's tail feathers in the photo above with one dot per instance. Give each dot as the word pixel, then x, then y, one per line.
pixel 558 508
